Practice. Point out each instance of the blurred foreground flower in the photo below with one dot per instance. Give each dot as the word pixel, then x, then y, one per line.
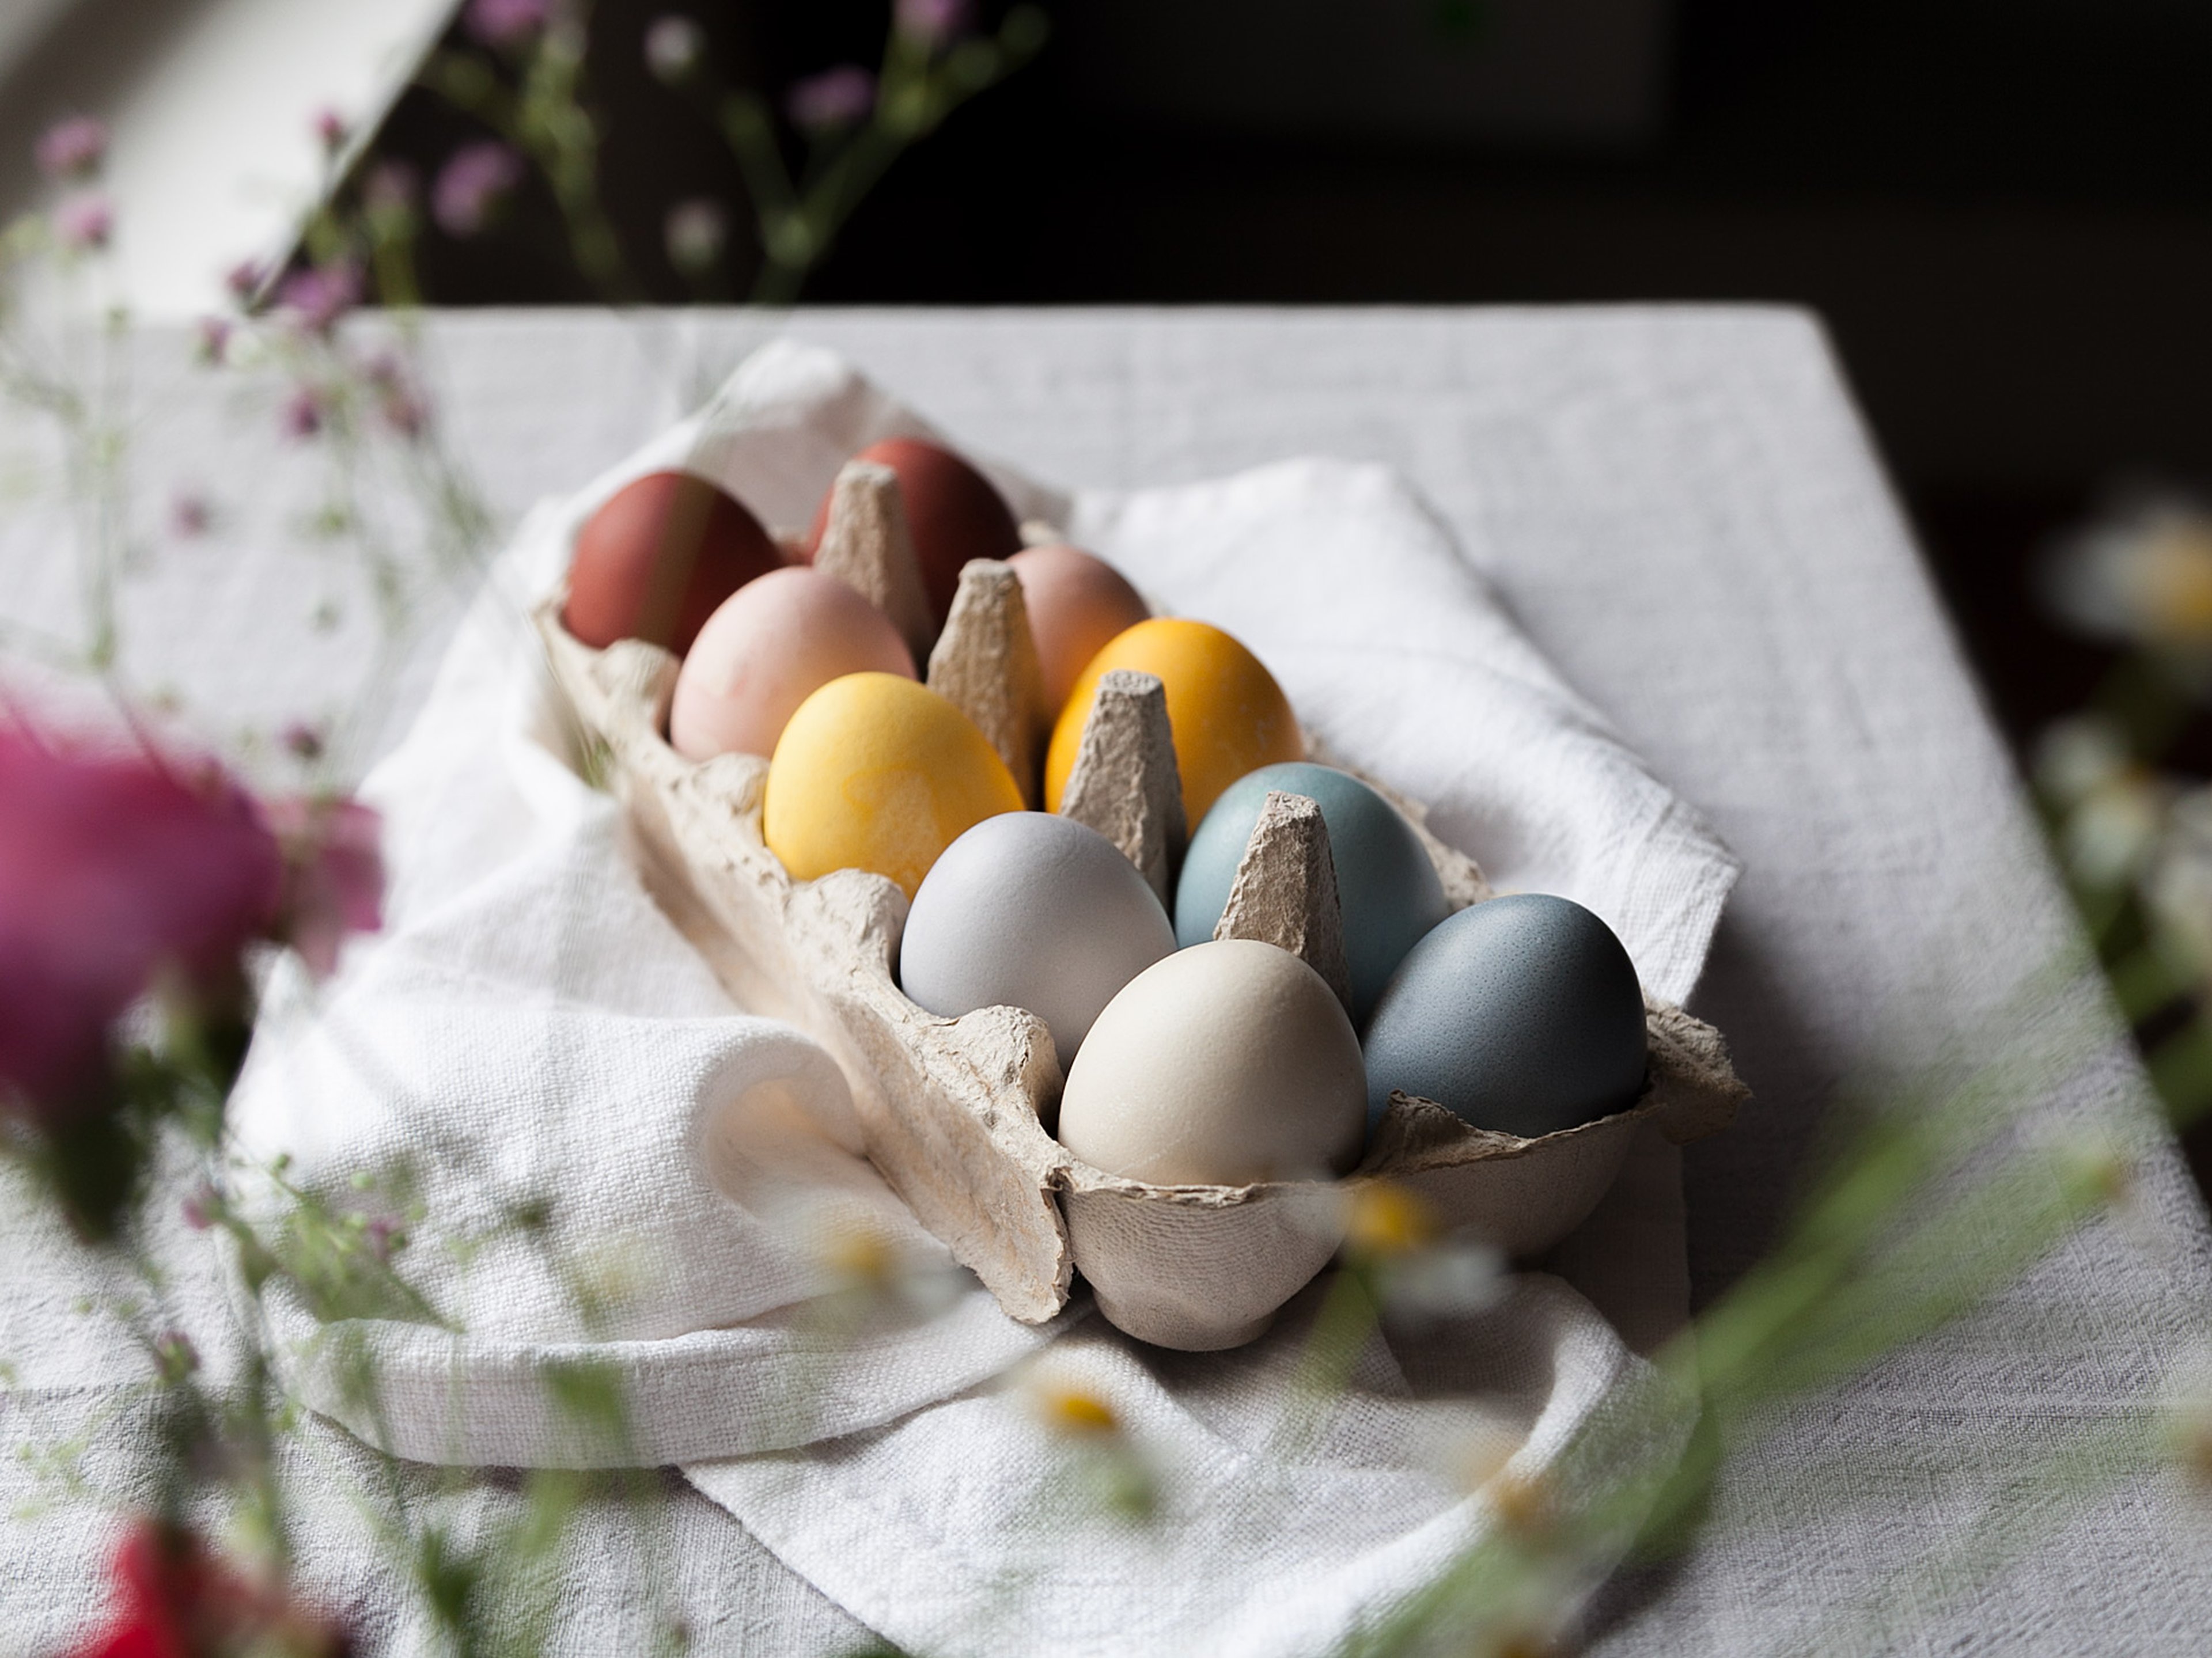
pixel 1108 1467
pixel 84 222
pixel 114 871
pixel 2143 573
pixel 506 23
pixel 176 1600
pixel 696 232
pixel 318 298
pixel 73 149
pixel 932 22
pixel 333 876
pixel 473 185
pixel 832 101
pixel 674 46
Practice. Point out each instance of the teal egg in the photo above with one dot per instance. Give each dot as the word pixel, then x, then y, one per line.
pixel 1520 1014
pixel 1388 888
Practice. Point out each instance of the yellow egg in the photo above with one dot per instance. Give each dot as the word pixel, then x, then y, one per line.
pixel 1228 714
pixel 875 772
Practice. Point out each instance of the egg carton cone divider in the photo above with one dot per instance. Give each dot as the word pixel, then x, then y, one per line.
pixel 956 1113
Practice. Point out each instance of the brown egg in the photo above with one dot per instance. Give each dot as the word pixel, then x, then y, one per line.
pixel 953 509
pixel 1076 603
pixel 656 560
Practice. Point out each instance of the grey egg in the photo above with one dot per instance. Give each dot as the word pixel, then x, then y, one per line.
pixel 1522 1015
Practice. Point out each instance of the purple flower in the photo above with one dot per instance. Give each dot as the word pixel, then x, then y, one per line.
pixel 84 221
pixel 471 184
pixel 673 47
pixel 244 279
pixel 190 515
pixel 506 23
pixel 329 130
pixel 317 297
pixel 73 148
pixel 932 22
pixel 836 98
pixel 302 414
pixel 696 231
pixel 116 870
pixel 333 876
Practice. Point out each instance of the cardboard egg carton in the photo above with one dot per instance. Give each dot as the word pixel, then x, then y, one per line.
pixel 956 1113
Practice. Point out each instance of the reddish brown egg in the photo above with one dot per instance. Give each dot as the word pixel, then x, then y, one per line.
pixel 656 560
pixel 955 513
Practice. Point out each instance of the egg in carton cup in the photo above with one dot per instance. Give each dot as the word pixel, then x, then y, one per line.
pixel 958 1113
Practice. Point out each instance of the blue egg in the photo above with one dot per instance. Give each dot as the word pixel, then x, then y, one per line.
pixel 1384 880
pixel 1522 1015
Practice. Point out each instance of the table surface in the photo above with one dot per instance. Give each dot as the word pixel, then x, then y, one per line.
pixel 1684 512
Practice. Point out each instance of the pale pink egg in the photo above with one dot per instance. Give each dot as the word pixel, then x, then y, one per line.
pixel 1076 603
pixel 774 643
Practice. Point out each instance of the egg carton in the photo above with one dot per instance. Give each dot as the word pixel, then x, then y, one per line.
pixel 956 1113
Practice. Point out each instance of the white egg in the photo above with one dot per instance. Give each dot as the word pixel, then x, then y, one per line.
pixel 1030 910
pixel 1223 1065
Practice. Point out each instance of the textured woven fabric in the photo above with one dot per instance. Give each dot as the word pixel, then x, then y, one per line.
pixel 1686 519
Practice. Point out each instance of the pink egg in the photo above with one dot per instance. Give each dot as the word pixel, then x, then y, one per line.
pixel 1076 603
pixel 774 643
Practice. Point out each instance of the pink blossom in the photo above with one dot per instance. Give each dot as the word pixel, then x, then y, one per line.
pixel 84 221
pixel 201 1206
pixel 214 338
pixel 301 417
pixel 932 22
pixel 115 870
pixel 73 148
pixel 506 23
pixel 471 184
pixel 317 297
pixel 303 740
pixel 190 515
pixel 244 279
pixel 836 98
pixel 331 130
pixel 333 876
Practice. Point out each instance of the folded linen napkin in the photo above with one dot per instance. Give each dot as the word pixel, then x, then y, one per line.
pixel 532 1036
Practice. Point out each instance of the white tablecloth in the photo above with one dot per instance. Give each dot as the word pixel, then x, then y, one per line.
pixel 1686 512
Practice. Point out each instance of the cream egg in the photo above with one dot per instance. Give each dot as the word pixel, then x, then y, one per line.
pixel 1030 910
pixel 1076 603
pixel 771 646
pixel 1223 1065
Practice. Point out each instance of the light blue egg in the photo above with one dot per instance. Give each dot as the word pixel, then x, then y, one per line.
pixel 1521 1014
pixel 1388 888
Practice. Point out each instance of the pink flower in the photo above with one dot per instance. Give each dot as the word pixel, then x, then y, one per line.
pixel 301 417
pixel 244 279
pixel 472 185
pixel 318 296
pixel 116 869
pixel 839 97
pixel 303 740
pixel 329 130
pixel 695 233
pixel 506 23
pixel 190 515
pixel 214 340
pixel 84 221
pixel 333 876
pixel 73 148
pixel 932 22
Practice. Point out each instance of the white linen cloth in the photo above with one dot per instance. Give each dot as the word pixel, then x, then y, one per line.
pixel 531 1030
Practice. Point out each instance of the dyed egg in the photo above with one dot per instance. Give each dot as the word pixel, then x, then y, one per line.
pixel 955 511
pixel 1029 910
pixel 1387 887
pixel 1520 1014
pixel 1076 603
pixel 875 772
pixel 657 558
pixel 1228 714
pixel 774 643
pixel 1222 1064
